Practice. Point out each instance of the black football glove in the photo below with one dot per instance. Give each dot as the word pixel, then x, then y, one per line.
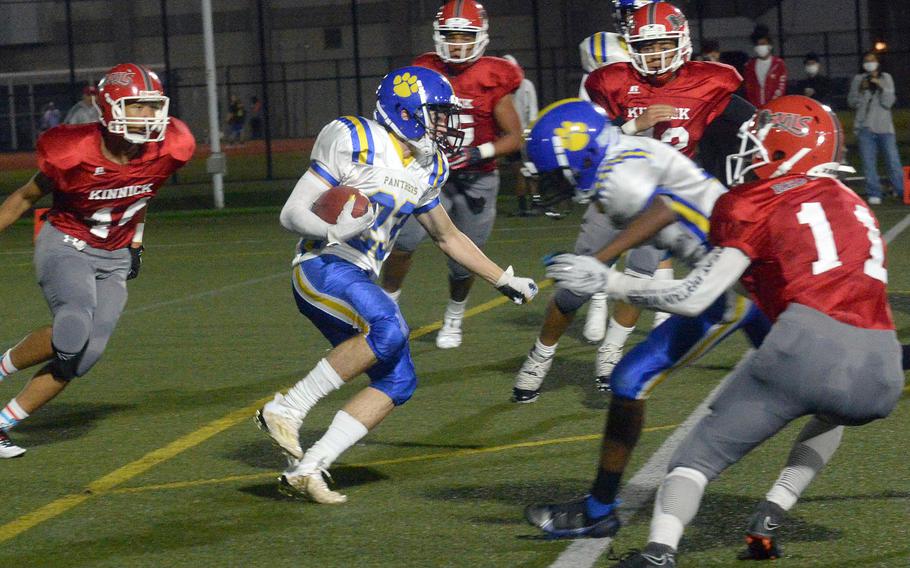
pixel 467 157
pixel 135 262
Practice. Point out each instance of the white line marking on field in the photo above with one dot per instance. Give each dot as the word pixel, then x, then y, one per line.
pixel 206 294
pixel 896 230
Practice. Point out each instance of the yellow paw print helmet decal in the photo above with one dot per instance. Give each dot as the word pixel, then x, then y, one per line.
pixel 573 135
pixel 405 85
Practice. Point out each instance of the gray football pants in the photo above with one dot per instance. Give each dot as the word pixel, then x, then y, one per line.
pixel 809 364
pixel 85 291
pixel 470 200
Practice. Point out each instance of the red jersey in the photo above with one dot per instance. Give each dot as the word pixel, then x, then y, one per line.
pixel 700 92
pixel 96 200
pixel 812 241
pixel 479 87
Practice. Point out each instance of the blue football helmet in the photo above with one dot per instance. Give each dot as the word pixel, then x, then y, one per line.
pixel 622 12
pixel 571 136
pixel 419 105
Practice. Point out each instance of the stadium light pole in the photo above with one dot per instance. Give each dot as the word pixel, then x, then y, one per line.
pixel 71 51
pixel 216 162
pixel 355 25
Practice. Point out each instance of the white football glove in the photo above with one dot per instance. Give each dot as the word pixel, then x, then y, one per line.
pixel 519 290
pixel 347 226
pixel 584 275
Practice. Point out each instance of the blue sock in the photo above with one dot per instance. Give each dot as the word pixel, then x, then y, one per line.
pixel 597 509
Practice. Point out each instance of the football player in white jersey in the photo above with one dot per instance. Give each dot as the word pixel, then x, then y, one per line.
pixel 397 161
pixel 657 195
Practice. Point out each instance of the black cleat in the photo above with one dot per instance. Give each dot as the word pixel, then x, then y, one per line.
pixel 653 555
pixel 760 541
pixel 523 396
pixel 570 520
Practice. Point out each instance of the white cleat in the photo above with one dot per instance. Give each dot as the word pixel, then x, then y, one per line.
pixel 608 355
pixel 659 318
pixel 281 425
pixel 596 321
pixel 529 378
pixel 7 448
pixel 449 336
pixel 311 487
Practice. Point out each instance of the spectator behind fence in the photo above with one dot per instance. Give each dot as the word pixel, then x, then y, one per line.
pixel 872 95
pixel 255 118
pixel 83 112
pixel 710 51
pixel 236 120
pixel 50 117
pixel 815 85
pixel 766 75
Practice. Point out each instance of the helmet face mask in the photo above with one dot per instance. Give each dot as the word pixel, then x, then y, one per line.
pixel 789 135
pixel 131 103
pixel 460 31
pixel 658 39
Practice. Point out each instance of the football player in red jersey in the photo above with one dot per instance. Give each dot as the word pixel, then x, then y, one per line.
pixel 484 87
pixel 810 253
pixel 101 177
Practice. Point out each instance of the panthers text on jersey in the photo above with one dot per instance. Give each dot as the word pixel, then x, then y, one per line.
pixel 700 92
pixel 812 241
pixel 97 200
pixel 479 87
pixel 360 153
pixel 635 170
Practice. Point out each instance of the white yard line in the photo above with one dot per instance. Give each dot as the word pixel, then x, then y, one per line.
pixel 583 553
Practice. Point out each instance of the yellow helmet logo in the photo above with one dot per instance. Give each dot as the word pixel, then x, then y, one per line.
pixel 405 85
pixel 573 135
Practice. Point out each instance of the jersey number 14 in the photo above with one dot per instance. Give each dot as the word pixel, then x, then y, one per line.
pixel 813 214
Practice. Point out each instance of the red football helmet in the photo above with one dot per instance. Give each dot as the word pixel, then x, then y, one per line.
pixel 789 135
pixel 126 84
pixel 465 17
pixel 654 22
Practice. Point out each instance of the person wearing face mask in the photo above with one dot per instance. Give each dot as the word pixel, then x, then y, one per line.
pixel 765 76
pixel 710 51
pixel 814 85
pixel 872 95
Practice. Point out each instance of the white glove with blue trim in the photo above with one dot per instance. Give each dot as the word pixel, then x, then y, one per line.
pixel 519 290
pixel 584 275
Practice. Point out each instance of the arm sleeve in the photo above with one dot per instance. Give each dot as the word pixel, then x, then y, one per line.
pixel 888 96
pixel 630 184
pixel 297 214
pixel 711 277
pixel 782 82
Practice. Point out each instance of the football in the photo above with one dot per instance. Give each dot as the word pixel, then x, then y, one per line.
pixel 328 206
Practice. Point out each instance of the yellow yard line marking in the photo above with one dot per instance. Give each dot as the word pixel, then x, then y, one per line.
pixel 122 475
pixel 392 461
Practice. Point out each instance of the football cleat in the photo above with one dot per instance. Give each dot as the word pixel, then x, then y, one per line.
pixel 310 487
pixel 7 448
pixel 760 542
pixel 529 378
pixel 653 555
pixel 608 355
pixel 281 425
pixel 596 323
pixel 571 520
pixel 449 336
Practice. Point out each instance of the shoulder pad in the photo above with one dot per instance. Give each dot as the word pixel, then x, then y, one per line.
pixel 429 60
pixel 501 73
pixel 179 141
pixel 62 147
pixel 351 133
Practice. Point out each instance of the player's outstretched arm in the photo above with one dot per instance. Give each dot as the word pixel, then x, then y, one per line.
pixel 711 277
pixel 23 199
pixel 460 248
pixel 297 215
pixel 641 229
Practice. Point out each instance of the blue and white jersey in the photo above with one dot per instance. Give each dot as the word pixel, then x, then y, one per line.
pixel 602 48
pixel 360 153
pixel 636 170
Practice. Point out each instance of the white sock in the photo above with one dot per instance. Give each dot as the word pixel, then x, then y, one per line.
pixel 455 310
pixel 344 432
pixel 618 334
pixel 394 295
pixel 321 381
pixel 676 504
pixel 544 351
pixel 11 415
pixel 6 365
pixel 812 449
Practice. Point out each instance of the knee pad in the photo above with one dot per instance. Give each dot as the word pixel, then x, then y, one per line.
pixel 64 365
pixel 569 302
pixel 399 390
pixel 397 379
pixel 71 329
pixel 388 336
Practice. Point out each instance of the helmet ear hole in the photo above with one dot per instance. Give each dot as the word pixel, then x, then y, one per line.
pixel 778 155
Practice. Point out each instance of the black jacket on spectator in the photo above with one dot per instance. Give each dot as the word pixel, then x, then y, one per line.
pixel 821 86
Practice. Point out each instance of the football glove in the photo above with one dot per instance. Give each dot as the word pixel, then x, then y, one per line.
pixel 347 226
pixel 466 157
pixel 519 290
pixel 584 275
pixel 135 262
